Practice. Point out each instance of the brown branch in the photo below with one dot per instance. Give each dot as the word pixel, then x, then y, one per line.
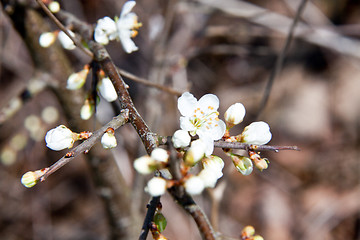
pixel 86 145
pixel 239 145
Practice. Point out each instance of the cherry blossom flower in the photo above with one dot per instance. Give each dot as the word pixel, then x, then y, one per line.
pixel 124 28
pixel 234 114
pixel 60 138
pixel 201 118
pixel 257 133
pixel 212 171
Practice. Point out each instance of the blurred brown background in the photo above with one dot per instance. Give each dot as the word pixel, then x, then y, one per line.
pixel 226 47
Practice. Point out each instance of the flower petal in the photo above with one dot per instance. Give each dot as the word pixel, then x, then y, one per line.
pixel 128 6
pixel 186 104
pixel 209 100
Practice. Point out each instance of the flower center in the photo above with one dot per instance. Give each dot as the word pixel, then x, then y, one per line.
pixel 206 119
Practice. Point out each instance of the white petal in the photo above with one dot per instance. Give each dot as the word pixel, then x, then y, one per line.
pixel 208 100
pixel 128 21
pixel 107 90
pixel 235 113
pixel 186 125
pixel 181 139
pixel 156 186
pixel 128 6
pixel 186 104
pixel 65 41
pixel 257 133
pixel 160 155
pixel 127 43
pixel 194 185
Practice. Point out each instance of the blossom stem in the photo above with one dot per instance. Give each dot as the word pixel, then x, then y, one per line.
pixel 86 145
pixel 239 145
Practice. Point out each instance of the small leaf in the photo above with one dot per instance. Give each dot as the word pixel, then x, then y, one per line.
pixel 160 221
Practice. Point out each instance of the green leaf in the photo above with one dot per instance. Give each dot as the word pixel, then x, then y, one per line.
pixel 160 221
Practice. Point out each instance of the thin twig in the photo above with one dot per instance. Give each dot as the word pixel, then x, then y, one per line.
pixel 86 145
pixel 63 28
pixel 239 145
pixel 280 59
pixel 149 217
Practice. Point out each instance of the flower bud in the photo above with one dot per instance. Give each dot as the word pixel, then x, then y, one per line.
pixel 145 165
pixel 65 41
pixel 181 139
pixel 108 140
pixel 261 164
pixel 257 133
pixel 257 237
pixel 194 185
pixel 47 39
pixel 160 155
pixel 248 231
pixel 243 164
pixel 77 80
pixel 234 114
pixel 195 153
pixel 60 138
pixel 87 110
pixel 54 7
pixel 31 178
pixel 210 177
pixel 156 186
pixel 107 90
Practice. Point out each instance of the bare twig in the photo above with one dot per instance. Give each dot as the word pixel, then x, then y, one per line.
pixel 280 59
pixel 86 145
pixel 239 145
pixel 149 217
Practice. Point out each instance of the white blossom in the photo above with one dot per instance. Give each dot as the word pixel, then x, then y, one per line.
pixel 195 153
pixel 65 41
pixel 201 118
pixel 194 185
pixel 107 90
pixel 213 166
pixel 257 133
pixel 122 29
pixel 144 165
pixel 181 139
pixel 60 138
pixel 47 39
pixel 77 80
pixel 235 114
pixel 156 186
pixel 159 154
pixel 108 140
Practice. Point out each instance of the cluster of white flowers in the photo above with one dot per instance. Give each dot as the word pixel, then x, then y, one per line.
pixel 200 119
pixel 122 29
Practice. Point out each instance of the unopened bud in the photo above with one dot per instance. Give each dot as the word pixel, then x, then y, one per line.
pixel 234 114
pixel 248 231
pixel 243 164
pixel 77 80
pixel 65 41
pixel 108 140
pixel 107 90
pixel 156 186
pixel 181 139
pixel 160 155
pixel 257 133
pixel 195 153
pixel 47 39
pixel 31 178
pixel 54 7
pixel 257 237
